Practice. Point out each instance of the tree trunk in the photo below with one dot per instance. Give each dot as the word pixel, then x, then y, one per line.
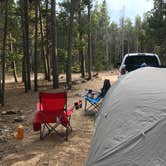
pixel 26 27
pixel 106 48
pixel 54 48
pixel 69 49
pixel 4 53
pixel 47 41
pixel 26 59
pixel 82 60
pixel 42 44
pixel 122 42
pixel 14 70
pixel 35 46
pixel 24 73
pixel 89 42
pixel 13 61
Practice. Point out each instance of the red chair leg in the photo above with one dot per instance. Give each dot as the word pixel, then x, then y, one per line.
pixel 42 131
pixel 68 129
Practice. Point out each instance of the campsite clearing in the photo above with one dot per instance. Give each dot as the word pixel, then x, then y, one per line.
pixel 53 150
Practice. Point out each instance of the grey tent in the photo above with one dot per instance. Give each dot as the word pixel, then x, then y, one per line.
pixel 131 127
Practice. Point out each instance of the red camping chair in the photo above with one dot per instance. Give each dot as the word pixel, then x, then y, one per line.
pixel 52 109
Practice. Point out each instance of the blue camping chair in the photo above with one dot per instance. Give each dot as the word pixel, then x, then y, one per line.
pixel 94 98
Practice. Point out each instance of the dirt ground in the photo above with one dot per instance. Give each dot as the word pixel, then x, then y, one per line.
pixel 53 150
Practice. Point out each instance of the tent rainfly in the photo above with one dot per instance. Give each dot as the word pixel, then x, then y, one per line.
pixel 131 126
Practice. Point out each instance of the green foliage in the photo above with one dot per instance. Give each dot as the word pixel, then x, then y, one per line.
pixel 62 58
pixel 157 28
pixel 100 26
pixel 146 35
pixel 76 67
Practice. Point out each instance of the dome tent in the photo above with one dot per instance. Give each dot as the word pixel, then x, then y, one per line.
pixel 131 127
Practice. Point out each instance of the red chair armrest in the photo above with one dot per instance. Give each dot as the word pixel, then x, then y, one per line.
pixel 70 111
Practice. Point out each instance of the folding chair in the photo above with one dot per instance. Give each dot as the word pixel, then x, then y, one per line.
pixel 94 98
pixel 51 112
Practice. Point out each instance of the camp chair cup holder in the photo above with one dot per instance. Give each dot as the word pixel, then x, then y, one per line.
pixel 78 105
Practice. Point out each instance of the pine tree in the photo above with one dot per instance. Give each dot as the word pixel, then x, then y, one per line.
pixel 54 46
pixel 2 97
pixel 36 46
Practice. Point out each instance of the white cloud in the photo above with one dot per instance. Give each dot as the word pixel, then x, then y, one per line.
pixel 130 8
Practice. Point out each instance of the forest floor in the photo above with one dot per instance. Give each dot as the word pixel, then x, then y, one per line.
pixel 53 150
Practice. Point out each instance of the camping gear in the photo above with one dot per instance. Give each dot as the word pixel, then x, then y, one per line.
pixel 131 125
pixel 51 112
pixel 94 98
pixel 20 132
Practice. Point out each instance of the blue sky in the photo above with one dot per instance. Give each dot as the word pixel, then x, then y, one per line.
pixel 130 8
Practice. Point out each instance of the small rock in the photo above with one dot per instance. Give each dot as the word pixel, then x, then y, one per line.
pixel 3 112
pixel 6 130
pixel 96 75
pixel 83 81
pixel 61 77
pixel 19 119
pixel 90 113
pixel 20 112
pixel 78 95
pixel 11 112
pixel 74 82
pixel 46 163
pixel 8 112
pixel 78 81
